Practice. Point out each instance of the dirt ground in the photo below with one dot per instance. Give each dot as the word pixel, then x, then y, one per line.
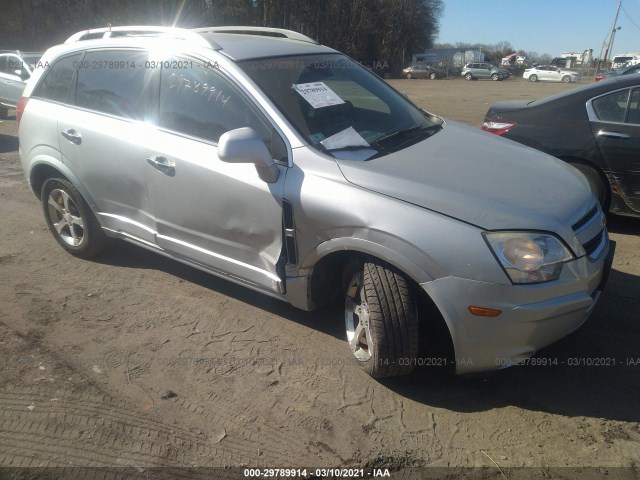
pixel 135 361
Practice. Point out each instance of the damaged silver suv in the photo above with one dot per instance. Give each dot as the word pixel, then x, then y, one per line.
pixel 282 165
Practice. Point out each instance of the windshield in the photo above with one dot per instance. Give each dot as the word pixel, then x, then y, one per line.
pixel 337 105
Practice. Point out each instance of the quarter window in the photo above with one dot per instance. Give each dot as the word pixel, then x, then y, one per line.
pixel 115 82
pixel 634 108
pixel 56 82
pixel 612 107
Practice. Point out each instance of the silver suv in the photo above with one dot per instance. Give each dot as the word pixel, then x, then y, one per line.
pixel 284 166
pixel 474 71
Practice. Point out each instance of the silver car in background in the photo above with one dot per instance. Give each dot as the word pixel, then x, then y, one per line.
pixel 282 165
pixel 550 73
pixel 15 70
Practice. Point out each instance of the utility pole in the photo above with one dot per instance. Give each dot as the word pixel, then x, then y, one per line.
pixel 613 33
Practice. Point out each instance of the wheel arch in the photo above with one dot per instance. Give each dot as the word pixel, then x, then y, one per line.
pixel 324 267
pixel 603 176
pixel 42 170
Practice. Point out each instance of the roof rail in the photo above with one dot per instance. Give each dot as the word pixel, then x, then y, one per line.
pixel 267 31
pixel 140 30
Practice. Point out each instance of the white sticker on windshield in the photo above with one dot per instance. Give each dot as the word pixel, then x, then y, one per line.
pixel 318 94
pixel 346 138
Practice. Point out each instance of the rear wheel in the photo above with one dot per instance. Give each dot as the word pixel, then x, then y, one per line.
pixel 380 318
pixel 598 187
pixel 70 219
pixel 566 79
pixel 533 78
pixel 468 76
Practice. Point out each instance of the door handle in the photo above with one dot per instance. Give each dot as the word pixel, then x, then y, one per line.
pixel 162 164
pixel 73 136
pixel 620 136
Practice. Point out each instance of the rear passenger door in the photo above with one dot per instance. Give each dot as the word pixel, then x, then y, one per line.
pixel 615 121
pixel 104 138
pixel 217 214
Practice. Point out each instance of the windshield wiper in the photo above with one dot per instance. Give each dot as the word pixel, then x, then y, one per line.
pixel 351 147
pixel 404 131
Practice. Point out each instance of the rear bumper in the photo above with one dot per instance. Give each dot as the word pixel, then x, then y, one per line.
pixel 533 316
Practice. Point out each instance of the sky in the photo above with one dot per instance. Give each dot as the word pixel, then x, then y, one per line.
pixel 543 26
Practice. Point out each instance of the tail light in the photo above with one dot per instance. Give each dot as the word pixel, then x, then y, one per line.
pixel 22 103
pixel 497 125
pixel 599 77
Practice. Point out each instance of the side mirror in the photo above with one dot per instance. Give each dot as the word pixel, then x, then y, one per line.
pixel 23 74
pixel 244 145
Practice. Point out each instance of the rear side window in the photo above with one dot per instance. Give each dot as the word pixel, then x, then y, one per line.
pixel 113 82
pixel 612 107
pixel 634 107
pixel 57 80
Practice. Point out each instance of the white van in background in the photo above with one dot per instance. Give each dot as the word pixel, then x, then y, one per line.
pixel 625 60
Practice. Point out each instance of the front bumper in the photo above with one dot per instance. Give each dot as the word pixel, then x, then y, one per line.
pixel 533 316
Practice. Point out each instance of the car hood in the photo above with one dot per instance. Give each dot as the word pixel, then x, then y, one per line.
pixel 481 179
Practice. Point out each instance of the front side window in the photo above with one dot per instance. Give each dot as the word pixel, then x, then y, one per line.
pixel 335 104
pixel 56 82
pixel 115 82
pixel 196 100
pixel 612 107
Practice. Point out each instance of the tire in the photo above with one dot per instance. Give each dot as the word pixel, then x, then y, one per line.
pixel 381 318
pixel 433 76
pixel 533 78
pixel 71 221
pixel 409 76
pixel 566 79
pixel 4 112
pixel 495 77
pixel 468 76
pixel 598 187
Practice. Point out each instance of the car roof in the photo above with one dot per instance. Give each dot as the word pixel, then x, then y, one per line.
pixel 237 43
pixel 594 89
pixel 239 47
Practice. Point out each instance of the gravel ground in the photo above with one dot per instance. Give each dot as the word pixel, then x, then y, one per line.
pixel 134 361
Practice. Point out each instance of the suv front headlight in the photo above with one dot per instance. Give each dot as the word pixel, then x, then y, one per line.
pixel 529 257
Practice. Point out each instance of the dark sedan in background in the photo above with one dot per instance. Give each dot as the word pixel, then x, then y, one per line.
pixel 423 71
pixel 596 128
pixel 618 71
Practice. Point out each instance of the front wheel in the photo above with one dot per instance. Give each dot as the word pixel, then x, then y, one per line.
pixel 70 219
pixel 533 78
pixel 433 76
pixel 566 79
pixel 495 77
pixel 381 318
pixel 468 76
pixel 409 76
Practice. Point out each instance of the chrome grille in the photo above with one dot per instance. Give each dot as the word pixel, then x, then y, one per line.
pixel 592 233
